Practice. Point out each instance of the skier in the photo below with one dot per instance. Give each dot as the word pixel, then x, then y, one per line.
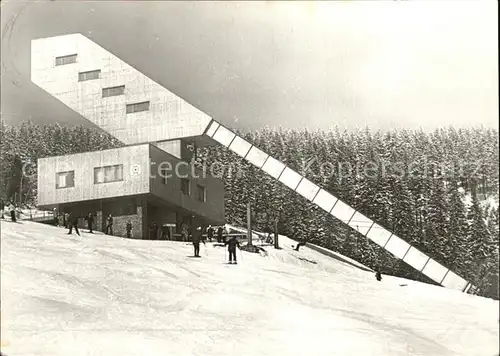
pixel 73 222
pixel 109 225
pixel 184 234
pixel 219 234
pixel 302 242
pixel 378 275
pixel 154 231
pixel 13 213
pixel 90 222
pixel 231 247
pixel 197 237
pixel 210 233
pixel 129 229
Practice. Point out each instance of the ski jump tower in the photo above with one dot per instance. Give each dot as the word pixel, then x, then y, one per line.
pixel 133 108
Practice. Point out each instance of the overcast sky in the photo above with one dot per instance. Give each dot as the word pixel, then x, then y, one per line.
pixel 385 64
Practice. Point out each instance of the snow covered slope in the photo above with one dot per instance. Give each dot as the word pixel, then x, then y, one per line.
pixel 101 295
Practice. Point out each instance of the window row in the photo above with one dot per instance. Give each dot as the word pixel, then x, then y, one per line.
pixel 105 174
pixel 106 92
pixel 114 173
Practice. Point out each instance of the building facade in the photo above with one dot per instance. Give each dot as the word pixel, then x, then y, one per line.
pixel 138 183
pixel 158 128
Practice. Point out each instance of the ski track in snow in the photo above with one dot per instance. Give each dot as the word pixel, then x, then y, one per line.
pixel 101 295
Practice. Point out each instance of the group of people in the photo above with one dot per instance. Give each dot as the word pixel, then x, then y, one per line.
pixel 198 237
pixel 12 209
pixel 70 221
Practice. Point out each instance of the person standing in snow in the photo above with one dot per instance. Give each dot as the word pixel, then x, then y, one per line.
pixel 56 217
pixel 13 213
pixel 109 225
pixel 197 237
pixel 90 222
pixel 73 222
pixel 210 233
pixel 184 234
pixel 231 247
pixel 129 229
pixel 153 231
pixel 219 234
pixel 378 275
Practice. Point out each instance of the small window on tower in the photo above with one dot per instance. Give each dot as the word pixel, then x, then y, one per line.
pixel 90 75
pixel 113 91
pixel 60 61
pixel 137 107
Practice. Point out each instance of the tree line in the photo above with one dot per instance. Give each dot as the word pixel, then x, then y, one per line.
pixel 437 190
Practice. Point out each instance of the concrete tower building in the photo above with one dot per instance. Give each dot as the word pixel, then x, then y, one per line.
pixel 147 180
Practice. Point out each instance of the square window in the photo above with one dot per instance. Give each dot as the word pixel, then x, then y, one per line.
pixel 65 179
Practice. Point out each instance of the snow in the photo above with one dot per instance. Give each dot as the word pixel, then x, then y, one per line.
pixel 258 236
pixel 101 295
